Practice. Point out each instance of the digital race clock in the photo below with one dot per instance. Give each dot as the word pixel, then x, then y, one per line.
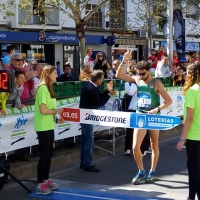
pixel 7 80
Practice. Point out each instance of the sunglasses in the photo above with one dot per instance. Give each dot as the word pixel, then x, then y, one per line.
pixel 115 64
pixel 142 74
pixel 18 60
pixel 100 55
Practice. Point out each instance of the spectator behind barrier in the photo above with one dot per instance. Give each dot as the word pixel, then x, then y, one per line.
pixel 88 58
pixel 16 64
pixel 101 63
pixel 161 53
pixel 17 92
pixel 86 73
pixel 183 63
pixel 58 68
pixel 188 58
pixel 38 68
pixel 15 95
pixel 113 70
pixel 6 60
pixel 66 76
pixel 152 59
pixel 194 56
pixel 131 69
pixel 163 69
pixel 178 80
pixel 175 59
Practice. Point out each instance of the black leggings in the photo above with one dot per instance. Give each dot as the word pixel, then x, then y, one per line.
pixel 46 140
pixel 193 165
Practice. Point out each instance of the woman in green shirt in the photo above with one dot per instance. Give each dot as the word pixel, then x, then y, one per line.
pixel 44 124
pixel 191 130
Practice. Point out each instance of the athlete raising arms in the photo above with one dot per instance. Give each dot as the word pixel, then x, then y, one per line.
pixel 148 101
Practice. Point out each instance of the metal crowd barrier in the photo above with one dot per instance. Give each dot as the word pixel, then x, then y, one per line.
pixel 117 104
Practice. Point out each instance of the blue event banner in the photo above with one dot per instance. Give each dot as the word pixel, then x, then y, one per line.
pixel 153 122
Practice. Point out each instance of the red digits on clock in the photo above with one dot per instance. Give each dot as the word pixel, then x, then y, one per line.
pixel 5 81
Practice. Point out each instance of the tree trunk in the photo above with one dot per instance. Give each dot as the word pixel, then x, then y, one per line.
pixel 80 32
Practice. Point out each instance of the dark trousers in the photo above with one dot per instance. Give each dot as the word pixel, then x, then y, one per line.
pixel 87 141
pixel 193 165
pixel 46 140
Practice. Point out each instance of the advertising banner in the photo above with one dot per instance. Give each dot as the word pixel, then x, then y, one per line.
pixel 128 120
pixel 179 32
pixel 16 129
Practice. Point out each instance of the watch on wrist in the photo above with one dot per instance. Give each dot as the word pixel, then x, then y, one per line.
pixel 182 140
pixel 158 108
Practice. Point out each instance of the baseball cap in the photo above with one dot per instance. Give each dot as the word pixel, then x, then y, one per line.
pixel 183 59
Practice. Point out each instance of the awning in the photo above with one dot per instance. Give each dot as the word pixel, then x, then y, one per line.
pixel 130 42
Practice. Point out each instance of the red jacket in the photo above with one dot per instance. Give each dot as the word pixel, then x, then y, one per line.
pixel 160 53
pixel 153 58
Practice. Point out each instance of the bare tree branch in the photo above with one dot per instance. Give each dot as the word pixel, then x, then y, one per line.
pixel 89 14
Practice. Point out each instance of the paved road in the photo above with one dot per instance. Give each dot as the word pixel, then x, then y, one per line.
pixel 117 173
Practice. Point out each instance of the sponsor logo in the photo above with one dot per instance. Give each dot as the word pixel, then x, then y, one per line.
pixel 151 121
pixel 21 121
pixel 57 37
pixel 99 118
pixel 2 35
pixel 160 120
pixel 41 37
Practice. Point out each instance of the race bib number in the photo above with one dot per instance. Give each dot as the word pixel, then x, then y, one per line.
pixel 144 100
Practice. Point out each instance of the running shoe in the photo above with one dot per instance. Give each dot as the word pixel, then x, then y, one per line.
pixel 151 177
pixel 140 176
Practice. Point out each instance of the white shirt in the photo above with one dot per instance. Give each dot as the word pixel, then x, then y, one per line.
pixel 132 91
pixel 162 70
pixel 36 83
pixel 89 60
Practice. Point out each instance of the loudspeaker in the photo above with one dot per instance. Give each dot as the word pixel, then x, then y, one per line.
pixel 4 176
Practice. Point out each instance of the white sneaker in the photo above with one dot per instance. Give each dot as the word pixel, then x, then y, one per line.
pixel 127 152
pixel 149 150
pixel 144 154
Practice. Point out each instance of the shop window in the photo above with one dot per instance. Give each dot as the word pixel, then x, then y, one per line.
pixel 38 14
pixel 33 52
pixel 95 20
pixel 117 14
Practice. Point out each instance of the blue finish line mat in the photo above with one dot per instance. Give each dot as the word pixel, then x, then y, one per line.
pixel 75 194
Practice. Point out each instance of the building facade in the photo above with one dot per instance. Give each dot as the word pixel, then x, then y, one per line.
pixel 59 41
pixel 140 17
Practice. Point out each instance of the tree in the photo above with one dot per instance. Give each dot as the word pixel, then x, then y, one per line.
pixel 74 9
pixel 150 15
